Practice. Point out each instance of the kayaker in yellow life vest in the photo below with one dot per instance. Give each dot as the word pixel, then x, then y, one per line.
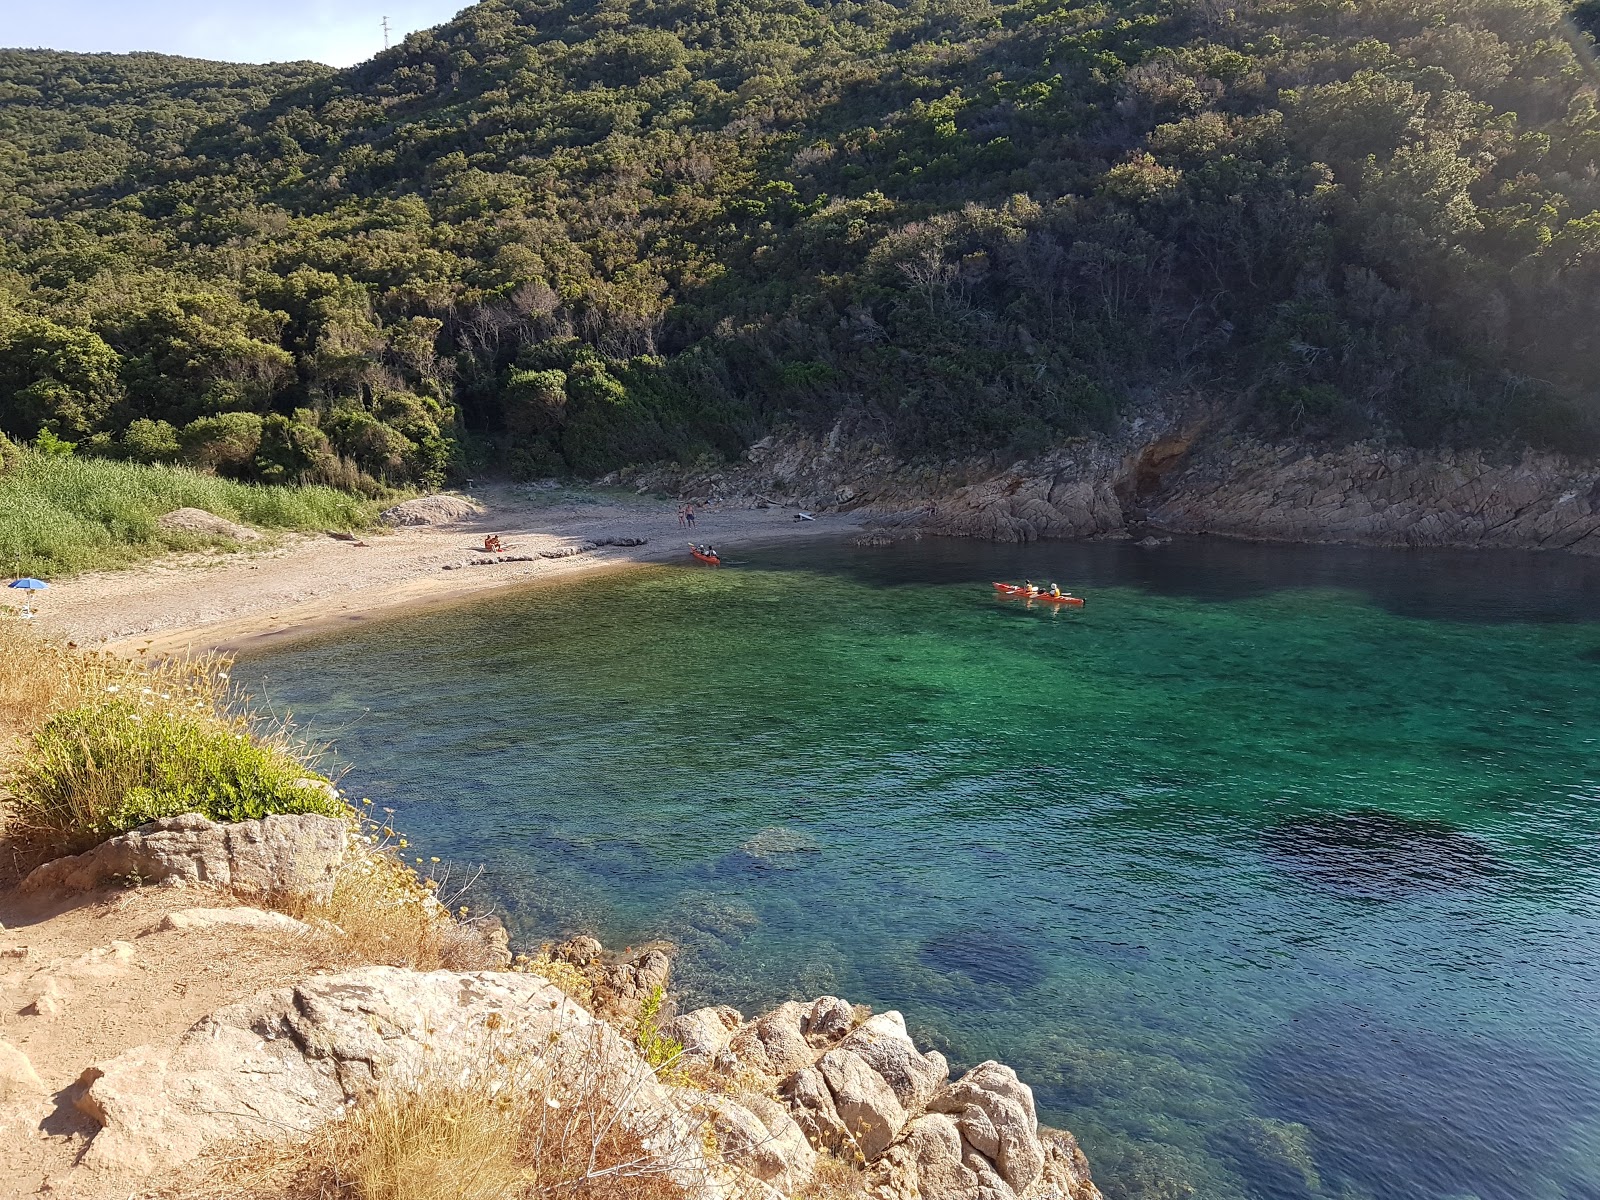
pixel 1030 588
pixel 1055 590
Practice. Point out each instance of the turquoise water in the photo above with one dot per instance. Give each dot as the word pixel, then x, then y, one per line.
pixel 1273 870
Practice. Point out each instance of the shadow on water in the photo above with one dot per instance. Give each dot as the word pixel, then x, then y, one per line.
pixel 1405 1113
pixel 1478 586
pixel 1375 854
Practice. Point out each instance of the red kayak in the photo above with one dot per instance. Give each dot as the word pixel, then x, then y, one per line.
pixel 1022 593
pixel 706 558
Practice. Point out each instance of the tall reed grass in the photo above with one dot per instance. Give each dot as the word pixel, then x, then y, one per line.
pixel 63 515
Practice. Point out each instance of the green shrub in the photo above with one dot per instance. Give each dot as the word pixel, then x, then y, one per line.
pixel 59 515
pixel 103 768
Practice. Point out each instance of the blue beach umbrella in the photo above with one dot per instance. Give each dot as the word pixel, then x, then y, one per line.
pixel 29 584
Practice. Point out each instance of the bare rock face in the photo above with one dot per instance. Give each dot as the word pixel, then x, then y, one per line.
pixel 759 1137
pixel 287 1060
pixel 186 919
pixel 866 1105
pixel 430 510
pixel 703 1033
pixel 994 1111
pixel 198 520
pixel 775 1044
pixel 884 1045
pixel 622 992
pixel 862 1089
pixel 19 1082
pixel 299 853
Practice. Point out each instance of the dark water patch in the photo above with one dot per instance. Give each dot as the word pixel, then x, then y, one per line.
pixel 989 957
pixel 775 848
pixel 1472 586
pixel 1590 655
pixel 1410 1113
pixel 1375 854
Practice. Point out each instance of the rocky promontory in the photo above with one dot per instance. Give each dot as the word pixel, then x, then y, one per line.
pixel 1162 472
pixel 817 1098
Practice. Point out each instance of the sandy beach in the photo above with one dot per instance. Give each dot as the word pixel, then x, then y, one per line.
pixel 246 600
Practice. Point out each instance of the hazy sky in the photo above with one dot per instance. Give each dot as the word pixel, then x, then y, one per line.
pixel 338 32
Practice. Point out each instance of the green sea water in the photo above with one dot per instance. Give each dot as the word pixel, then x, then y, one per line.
pixel 1273 870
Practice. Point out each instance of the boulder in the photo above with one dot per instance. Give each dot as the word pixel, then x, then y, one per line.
pixel 623 990
pixel 866 1105
pixel 829 1021
pixel 994 1111
pixel 758 1136
pixel 299 854
pixel 775 1044
pixel 812 1107
pixel 703 1033
pixel 186 919
pixel 924 1165
pixel 884 1045
pixel 430 510
pixel 19 1082
pixel 199 521
pixel 286 1060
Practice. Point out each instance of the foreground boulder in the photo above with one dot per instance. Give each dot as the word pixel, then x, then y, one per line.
pixel 285 1061
pixel 299 854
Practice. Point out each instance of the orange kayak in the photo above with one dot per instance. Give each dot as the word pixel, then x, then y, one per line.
pixel 706 558
pixel 1021 593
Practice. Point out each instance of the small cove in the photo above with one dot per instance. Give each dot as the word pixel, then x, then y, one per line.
pixel 1273 870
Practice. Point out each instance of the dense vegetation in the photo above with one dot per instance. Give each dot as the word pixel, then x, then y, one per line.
pixel 65 514
pixel 575 233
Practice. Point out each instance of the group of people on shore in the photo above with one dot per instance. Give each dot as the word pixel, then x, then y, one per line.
pixel 686 517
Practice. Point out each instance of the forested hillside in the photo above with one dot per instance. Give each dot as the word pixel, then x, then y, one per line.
pixel 570 234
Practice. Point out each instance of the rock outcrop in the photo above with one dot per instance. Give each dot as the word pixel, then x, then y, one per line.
pixel 860 1088
pixel 297 854
pixel 287 1060
pixel 1199 474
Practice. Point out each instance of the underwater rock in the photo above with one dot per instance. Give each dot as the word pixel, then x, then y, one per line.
pixel 774 848
pixel 1369 852
pixel 1408 1113
pixel 1273 1157
pixel 987 957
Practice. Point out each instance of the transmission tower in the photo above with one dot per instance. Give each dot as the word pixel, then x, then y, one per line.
pixel 385 33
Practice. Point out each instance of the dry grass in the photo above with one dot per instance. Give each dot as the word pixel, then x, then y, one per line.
pixel 563 1125
pixel 383 912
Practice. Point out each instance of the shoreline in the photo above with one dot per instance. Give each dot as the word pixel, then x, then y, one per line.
pixel 248 601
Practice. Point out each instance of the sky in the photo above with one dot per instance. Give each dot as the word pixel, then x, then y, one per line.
pixel 337 32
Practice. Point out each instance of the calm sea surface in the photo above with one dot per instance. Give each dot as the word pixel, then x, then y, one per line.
pixel 1274 870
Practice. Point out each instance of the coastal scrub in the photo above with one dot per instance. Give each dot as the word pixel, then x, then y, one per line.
pixel 60 515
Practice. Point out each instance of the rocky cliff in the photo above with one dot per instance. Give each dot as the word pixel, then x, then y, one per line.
pixel 1202 475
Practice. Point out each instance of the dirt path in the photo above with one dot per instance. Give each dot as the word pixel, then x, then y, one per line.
pixel 246 600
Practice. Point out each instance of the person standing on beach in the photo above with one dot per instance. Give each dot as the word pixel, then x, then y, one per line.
pixel 683 517
pixel 688 511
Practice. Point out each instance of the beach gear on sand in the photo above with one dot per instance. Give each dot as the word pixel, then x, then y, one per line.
pixel 27 586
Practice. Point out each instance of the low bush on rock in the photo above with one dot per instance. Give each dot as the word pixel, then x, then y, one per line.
pixel 101 769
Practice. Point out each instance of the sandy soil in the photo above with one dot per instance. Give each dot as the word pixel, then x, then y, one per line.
pixel 253 598
pixel 118 983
